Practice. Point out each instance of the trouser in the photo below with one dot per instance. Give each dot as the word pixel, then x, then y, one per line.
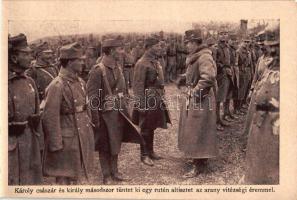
pixel 147 148
pixel 108 163
pixel 200 163
pixel 128 75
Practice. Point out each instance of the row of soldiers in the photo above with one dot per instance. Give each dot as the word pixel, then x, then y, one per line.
pixel 54 112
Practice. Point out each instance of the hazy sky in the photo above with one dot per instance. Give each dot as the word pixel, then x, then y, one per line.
pixel 45 18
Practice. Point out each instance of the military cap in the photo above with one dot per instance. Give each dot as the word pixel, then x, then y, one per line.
pixel 192 35
pixel 71 51
pixel 112 43
pixel 271 39
pixel 151 40
pixel 43 47
pixel 246 39
pixel 19 43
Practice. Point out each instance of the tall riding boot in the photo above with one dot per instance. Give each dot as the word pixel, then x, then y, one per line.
pixel 152 153
pixel 144 149
pixel 105 163
pixel 115 174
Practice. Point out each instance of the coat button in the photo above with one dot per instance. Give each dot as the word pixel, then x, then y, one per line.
pixel 75 100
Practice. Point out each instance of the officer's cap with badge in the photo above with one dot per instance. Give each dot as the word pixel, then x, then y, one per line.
pixel 18 43
pixel 71 51
pixel 193 35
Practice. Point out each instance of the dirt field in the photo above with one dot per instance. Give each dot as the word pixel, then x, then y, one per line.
pixel 227 168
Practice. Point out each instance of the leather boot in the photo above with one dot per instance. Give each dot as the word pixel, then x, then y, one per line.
pixel 145 152
pixel 115 174
pixel 105 163
pixel 152 153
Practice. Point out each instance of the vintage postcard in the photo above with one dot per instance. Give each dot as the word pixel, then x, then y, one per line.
pixel 149 99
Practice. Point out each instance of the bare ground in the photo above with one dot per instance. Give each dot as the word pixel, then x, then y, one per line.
pixel 226 168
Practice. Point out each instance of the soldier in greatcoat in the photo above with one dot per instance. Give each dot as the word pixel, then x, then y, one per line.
pixel 110 116
pixel 148 87
pixel 262 156
pixel 24 159
pixel 69 138
pixel 197 125
pixel 42 72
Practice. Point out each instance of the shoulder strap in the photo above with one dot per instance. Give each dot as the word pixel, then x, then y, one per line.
pixel 46 72
pixel 102 68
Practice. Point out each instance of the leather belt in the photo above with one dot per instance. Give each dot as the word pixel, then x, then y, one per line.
pixel 77 109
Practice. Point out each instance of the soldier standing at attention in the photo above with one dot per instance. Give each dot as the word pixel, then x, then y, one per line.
pixel 224 76
pixel 106 88
pixel 69 138
pixel 262 156
pixel 148 88
pixel 24 161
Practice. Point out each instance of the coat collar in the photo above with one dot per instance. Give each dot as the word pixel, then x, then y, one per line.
pixel 108 61
pixel 15 72
pixel 68 75
pixel 40 63
pixel 202 49
pixel 150 57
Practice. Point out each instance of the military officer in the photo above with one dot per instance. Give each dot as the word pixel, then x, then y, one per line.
pixel 43 71
pixel 242 61
pixel 224 75
pixel 262 155
pixel 69 139
pixel 138 51
pixel 197 124
pixel 24 161
pixel 234 81
pixel 128 65
pixel 148 88
pixel 171 60
pixel 263 62
pixel 106 90
pixel 90 61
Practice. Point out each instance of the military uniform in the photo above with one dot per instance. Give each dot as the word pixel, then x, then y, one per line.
pixel 128 67
pixel 243 63
pixel 112 126
pixel 69 139
pixel 24 159
pixel 148 88
pixel 171 62
pixel 197 124
pixel 263 141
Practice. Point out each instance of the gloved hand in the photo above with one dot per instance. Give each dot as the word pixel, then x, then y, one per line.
pixel 34 120
pixel 16 129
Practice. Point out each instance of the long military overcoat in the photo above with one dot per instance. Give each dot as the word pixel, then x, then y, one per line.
pixel 262 156
pixel 197 124
pixel 24 160
pixel 148 89
pixel 113 126
pixel 69 138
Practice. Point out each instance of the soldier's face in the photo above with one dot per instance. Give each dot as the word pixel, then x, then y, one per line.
pixel 47 56
pixel 23 59
pixel 191 47
pixel 76 65
pixel 157 49
pixel 117 52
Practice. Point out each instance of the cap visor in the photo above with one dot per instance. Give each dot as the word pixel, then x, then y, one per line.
pixel 25 49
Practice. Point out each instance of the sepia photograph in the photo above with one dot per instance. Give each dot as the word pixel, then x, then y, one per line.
pixel 142 100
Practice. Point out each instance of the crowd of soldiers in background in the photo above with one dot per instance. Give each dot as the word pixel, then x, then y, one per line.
pixel 228 48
